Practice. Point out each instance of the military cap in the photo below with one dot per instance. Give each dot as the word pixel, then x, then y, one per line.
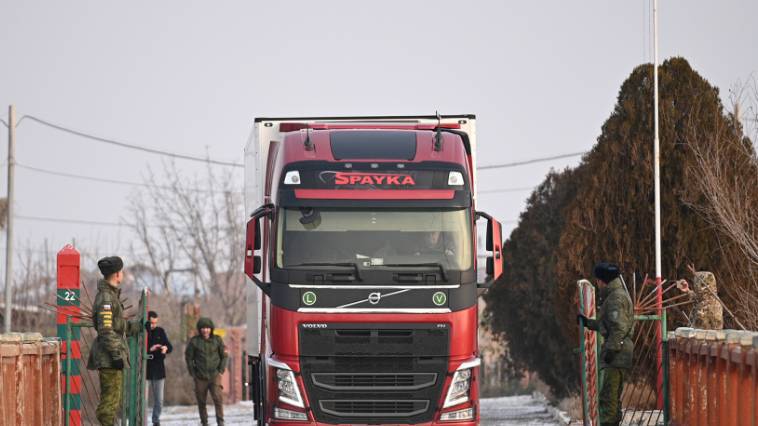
pixel 606 272
pixel 110 265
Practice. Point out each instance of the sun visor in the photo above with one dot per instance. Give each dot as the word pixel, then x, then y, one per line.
pixel 368 145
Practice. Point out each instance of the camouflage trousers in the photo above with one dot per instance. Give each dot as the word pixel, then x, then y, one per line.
pixel 202 387
pixel 610 395
pixel 111 382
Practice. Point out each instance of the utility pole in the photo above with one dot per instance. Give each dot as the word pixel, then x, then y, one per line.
pixel 657 172
pixel 9 221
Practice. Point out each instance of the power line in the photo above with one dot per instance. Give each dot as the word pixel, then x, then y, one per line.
pixel 493 191
pixel 81 177
pixel 110 181
pixel 2 249
pixel 80 221
pixel 530 161
pixel 131 146
pixel 147 185
pixel 238 165
pixel 71 221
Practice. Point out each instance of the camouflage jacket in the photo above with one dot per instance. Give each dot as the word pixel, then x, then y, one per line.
pixel 205 358
pixel 112 328
pixel 615 322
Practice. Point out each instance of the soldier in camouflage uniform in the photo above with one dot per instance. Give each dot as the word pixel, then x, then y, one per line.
pixel 707 312
pixel 206 358
pixel 615 322
pixel 109 354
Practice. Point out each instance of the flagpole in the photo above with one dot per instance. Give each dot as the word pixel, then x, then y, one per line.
pixel 657 172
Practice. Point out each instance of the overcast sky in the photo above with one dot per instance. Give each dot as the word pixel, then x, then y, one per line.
pixel 189 76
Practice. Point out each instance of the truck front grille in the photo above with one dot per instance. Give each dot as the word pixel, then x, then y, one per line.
pixel 374 408
pixel 376 382
pixel 374 373
pixel 358 340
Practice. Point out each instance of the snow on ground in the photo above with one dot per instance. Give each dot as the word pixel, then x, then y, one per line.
pixel 513 410
pixel 516 410
pixel 234 415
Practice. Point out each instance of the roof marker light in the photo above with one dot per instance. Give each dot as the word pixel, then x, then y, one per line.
pixel 292 178
pixel 455 179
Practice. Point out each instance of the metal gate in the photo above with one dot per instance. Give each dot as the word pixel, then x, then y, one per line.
pixel 81 387
pixel 588 350
pixel 645 394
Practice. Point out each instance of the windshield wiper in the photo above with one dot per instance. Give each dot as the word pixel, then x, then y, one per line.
pixel 438 265
pixel 351 265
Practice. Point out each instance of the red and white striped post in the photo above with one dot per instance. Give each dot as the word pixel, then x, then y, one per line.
pixel 68 292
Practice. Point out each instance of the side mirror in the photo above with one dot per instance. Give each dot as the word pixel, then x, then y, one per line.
pixel 494 245
pixel 253 243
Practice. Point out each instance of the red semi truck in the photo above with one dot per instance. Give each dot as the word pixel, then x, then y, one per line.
pixel 361 255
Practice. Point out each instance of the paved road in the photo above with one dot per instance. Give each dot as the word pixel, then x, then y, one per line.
pixel 516 410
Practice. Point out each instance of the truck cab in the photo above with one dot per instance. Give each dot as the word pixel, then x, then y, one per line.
pixel 361 259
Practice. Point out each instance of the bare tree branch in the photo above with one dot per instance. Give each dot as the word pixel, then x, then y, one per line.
pixel 182 229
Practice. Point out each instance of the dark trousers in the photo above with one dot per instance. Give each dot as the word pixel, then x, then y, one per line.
pixel 610 395
pixel 111 382
pixel 202 387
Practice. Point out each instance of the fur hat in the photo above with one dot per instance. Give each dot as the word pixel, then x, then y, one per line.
pixel 606 272
pixel 110 265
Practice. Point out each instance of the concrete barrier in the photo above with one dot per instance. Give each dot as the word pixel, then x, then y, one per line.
pixel 713 377
pixel 30 392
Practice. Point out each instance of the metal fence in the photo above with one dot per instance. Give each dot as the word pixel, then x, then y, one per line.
pixel 81 387
pixel 135 384
pixel 714 377
pixel 30 392
pixel 643 401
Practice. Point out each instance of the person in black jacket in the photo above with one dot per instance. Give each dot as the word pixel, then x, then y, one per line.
pixel 157 347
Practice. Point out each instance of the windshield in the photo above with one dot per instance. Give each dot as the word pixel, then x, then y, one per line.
pixel 374 238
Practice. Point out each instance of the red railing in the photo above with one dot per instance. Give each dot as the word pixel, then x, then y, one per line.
pixel 714 377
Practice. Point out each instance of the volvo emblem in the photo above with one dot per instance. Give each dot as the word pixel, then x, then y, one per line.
pixel 374 298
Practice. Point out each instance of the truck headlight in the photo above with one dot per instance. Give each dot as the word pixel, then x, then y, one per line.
pixel 288 390
pixel 459 387
pixel 458 393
